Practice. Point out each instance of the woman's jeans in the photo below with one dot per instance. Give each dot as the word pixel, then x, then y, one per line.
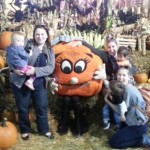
pixel 23 98
pixel 109 115
pixel 129 136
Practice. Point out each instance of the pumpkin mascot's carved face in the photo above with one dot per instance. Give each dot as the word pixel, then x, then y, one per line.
pixel 74 70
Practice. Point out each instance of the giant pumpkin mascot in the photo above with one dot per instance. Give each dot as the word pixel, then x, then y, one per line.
pixel 73 73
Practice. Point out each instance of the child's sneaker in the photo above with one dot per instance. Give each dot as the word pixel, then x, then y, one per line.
pixel 29 85
pixel 106 125
pixel 146 140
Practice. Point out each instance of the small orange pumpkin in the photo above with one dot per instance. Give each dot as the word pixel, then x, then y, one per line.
pixel 5 39
pixel 2 62
pixel 141 78
pixel 74 69
pixel 8 134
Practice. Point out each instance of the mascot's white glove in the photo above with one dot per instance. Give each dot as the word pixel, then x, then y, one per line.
pixel 106 83
pixel 100 74
pixel 53 86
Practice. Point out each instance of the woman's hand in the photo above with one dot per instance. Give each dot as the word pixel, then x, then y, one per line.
pixel 75 43
pixel 18 72
pixel 31 71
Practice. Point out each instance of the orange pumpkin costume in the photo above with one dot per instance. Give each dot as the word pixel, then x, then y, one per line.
pixel 74 70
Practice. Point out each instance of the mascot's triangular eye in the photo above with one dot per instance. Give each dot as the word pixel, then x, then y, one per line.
pixel 80 66
pixel 66 66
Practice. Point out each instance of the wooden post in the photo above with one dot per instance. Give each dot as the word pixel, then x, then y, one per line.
pixel 139 44
pixel 144 44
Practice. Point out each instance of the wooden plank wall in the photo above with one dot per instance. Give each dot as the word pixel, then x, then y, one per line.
pixel 127 40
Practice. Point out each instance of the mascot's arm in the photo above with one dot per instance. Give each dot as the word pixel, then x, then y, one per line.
pixel 64 38
pixel 102 54
pixel 124 63
pixel 100 74
pixel 68 39
pixel 53 86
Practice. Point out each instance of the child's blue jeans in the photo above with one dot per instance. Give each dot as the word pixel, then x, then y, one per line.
pixel 110 116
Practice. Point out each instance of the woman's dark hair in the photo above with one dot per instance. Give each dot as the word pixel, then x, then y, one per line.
pixel 47 31
pixel 123 50
pixel 117 87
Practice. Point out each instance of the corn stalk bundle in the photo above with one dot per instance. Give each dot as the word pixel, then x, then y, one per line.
pixel 93 38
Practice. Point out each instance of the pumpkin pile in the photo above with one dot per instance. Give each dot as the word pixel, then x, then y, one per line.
pixel 8 134
pixel 141 78
pixel 5 39
pixel 2 62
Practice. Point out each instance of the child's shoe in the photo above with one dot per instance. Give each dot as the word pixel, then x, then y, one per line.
pixel 29 85
pixel 146 140
pixel 106 125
